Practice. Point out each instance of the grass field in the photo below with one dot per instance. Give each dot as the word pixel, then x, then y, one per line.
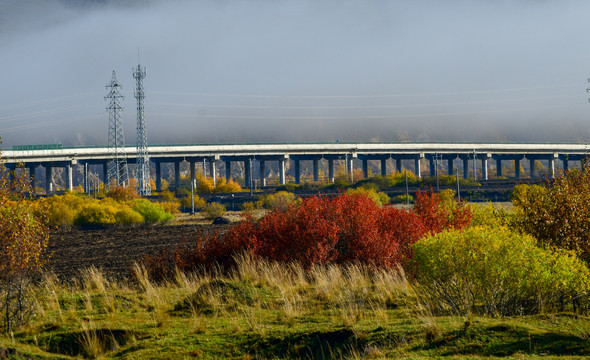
pixel 274 311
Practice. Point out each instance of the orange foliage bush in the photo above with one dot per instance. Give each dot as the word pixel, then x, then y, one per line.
pixel 121 193
pixel 23 239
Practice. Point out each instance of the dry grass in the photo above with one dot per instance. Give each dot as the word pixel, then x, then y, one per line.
pixel 258 304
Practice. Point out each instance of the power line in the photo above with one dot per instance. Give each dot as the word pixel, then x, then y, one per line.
pixel 263 107
pixel 42 101
pixel 46 123
pixel 37 114
pixel 363 116
pixel 487 91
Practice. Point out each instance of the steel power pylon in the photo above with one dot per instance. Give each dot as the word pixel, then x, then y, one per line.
pixel 117 174
pixel 143 159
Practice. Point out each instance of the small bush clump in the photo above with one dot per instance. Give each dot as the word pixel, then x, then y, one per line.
pixel 378 197
pixel 126 215
pixel 213 210
pixel 121 193
pixel 96 214
pixel 151 212
pixel 278 200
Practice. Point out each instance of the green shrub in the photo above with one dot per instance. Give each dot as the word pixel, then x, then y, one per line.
pixel 168 196
pixel 248 208
pixel 496 272
pixel 152 212
pixel 278 200
pixel 199 202
pixel 378 197
pixel 486 214
pixel 96 214
pixel 524 195
pixel 213 210
pixel 402 199
pixel 126 215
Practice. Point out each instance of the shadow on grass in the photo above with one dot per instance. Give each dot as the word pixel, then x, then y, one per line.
pixel 314 345
pixel 77 343
pixel 505 340
pixel 338 343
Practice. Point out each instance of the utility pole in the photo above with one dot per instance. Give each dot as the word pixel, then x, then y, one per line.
pixel 143 159
pixel 117 174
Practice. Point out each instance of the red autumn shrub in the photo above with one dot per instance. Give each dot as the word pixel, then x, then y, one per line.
pixel 403 228
pixel 305 233
pixel 438 215
pixel 320 230
pixel 360 237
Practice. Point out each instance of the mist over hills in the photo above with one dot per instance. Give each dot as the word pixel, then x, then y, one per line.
pixel 302 71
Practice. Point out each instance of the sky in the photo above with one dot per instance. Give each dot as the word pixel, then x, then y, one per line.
pixel 237 71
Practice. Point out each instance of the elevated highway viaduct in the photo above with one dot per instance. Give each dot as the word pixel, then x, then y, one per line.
pixel 471 156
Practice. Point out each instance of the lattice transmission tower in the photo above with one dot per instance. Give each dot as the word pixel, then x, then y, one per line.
pixel 117 174
pixel 143 159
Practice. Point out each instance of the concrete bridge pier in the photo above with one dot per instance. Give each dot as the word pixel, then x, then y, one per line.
pixel 349 165
pixel 499 167
pixel 565 164
pixel 331 170
pixel 398 165
pixel 158 176
pixel 192 165
pixel 465 167
pixel 533 166
pixel 297 171
pixel 262 173
pixel 105 174
pixel 176 175
pixel 227 170
pixel 32 176
pixel 433 165
pixel 450 166
pixel 365 168
pixel 247 173
pixel 384 167
pixel 551 166
pixel 48 179
pixel 517 168
pixel 417 168
pixel 316 170
pixel 213 170
pixel 282 178
pixel 70 176
pixel 484 167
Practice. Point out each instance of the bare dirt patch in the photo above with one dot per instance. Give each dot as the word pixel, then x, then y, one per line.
pixel 115 249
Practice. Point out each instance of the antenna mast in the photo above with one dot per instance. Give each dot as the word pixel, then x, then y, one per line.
pixel 143 160
pixel 117 174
